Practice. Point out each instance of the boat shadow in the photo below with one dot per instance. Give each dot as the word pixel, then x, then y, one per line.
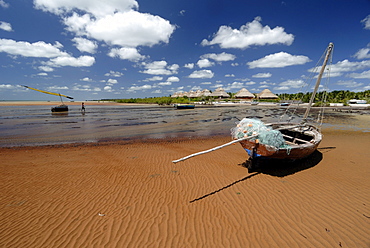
pixel 283 167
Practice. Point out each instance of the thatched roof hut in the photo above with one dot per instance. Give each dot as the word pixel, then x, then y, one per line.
pixel 267 94
pixel 220 92
pixel 244 94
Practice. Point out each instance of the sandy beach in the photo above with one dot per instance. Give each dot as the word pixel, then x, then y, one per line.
pixel 128 193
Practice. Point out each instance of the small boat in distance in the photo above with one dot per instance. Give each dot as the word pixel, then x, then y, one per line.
pixel 184 106
pixel 60 108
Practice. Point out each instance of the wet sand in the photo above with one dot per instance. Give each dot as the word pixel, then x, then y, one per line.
pixel 130 194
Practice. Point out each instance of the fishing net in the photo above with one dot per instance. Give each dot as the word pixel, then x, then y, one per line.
pixel 265 135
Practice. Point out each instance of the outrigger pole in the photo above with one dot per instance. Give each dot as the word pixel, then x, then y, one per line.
pixel 47 92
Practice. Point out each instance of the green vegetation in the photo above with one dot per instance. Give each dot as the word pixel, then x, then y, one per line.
pixel 337 96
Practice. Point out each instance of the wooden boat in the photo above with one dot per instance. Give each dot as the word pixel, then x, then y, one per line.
pixel 60 108
pixel 184 106
pixel 301 139
pixel 281 140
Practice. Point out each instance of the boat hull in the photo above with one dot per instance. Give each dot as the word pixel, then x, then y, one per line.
pixel 297 149
pixel 60 108
pixel 185 106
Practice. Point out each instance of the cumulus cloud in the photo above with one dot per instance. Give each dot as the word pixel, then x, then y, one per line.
pixel 204 63
pixel 115 22
pixel 85 45
pixel 344 66
pixel 262 75
pixel 85 87
pixel 278 60
pixel 252 33
pixel 364 74
pixel 189 66
pixel 6 26
pixel 111 82
pixel 143 87
pixel 86 79
pixel 38 49
pixel 113 74
pixel 202 74
pixel 366 22
pixel 363 53
pixel 173 79
pixel 350 84
pixel 7 86
pixel 82 61
pixel 159 68
pixel 154 78
pixel 128 53
pixel 291 84
pixel 4 4
pixel 96 7
pixel 219 57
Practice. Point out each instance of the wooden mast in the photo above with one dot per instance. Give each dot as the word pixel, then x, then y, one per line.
pixel 329 50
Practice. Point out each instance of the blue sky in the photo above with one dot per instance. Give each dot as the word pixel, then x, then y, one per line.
pixel 93 49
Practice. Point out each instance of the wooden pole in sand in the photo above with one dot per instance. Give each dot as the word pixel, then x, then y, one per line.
pixel 213 149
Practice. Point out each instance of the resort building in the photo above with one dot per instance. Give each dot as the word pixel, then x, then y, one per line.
pixel 267 94
pixel 220 92
pixel 244 94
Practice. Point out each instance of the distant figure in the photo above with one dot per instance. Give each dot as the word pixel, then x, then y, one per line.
pixel 83 107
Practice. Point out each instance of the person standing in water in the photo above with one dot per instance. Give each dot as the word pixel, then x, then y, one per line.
pixel 83 107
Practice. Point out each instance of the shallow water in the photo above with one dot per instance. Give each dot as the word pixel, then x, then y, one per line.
pixel 37 125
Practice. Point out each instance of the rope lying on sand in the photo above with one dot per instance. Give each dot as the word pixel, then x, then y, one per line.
pixel 213 149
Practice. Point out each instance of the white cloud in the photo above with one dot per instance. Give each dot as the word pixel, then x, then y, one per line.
pixel 278 60
pixel 81 61
pixel 291 84
pixel 234 64
pixel 206 83
pixel 111 81
pixel 96 7
pixel 165 83
pixel 204 63
pixel 108 88
pixel 229 75
pixel 6 26
pixel 366 22
pixel 4 4
pixel 364 74
pixel 219 57
pixel 80 87
pixel 113 74
pixel 85 45
pixel 363 53
pixel 160 68
pixel 252 33
pixel 46 68
pixel 262 75
pixel 143 87
pixel 154 78
pixel 86 79
pixel 189 66
pixel 38 49
pixel 344 66
pixel 7 86
pixel 130 29
pixel 56 88
pixel 173 79
pixel 350 84
pixel 42 74
pixel 128 53
pixel 202 74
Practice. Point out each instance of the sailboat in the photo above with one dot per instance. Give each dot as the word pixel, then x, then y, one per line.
pixel 60 108
pixel 280 140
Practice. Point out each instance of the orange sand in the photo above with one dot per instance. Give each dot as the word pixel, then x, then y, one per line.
pixel 131 195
